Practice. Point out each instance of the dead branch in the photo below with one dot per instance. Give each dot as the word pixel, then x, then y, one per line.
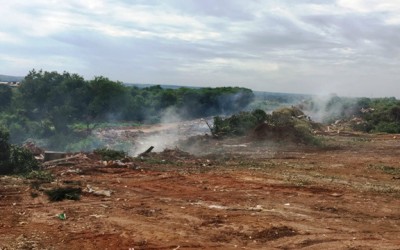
pixel 146 152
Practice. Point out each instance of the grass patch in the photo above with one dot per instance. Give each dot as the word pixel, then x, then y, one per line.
pixel 84 126
pixel 386 169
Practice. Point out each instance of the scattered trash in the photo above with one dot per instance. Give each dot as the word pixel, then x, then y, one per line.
pixel 96 215
pixel 76 171
pixel 235 146
pixel 62 216
pixel 117 164
pixel 217 207
pixel 95 191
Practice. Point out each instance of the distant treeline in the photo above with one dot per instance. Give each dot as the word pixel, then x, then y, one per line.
pixel 48 103
pixel 5 78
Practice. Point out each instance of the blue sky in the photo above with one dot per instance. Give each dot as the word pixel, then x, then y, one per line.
pixel 348 47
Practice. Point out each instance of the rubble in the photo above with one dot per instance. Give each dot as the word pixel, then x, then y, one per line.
pixel 68 160
pixel 33 148
pixel 96 191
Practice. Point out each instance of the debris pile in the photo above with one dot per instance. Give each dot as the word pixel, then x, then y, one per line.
pixel 33 148
pixel 288 124
pixel 346 126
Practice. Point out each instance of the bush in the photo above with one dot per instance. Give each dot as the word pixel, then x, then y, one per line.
pixel 110 154
pixel 43 176
pixel 294 125
pixel 22 160
pixel 388 127
pixel 14 159
pixel 59 194
pixel 238 124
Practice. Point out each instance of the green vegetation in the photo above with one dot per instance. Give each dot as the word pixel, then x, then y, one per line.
pixel 110 154
pixel 364 114
pixel 60 110
pixel 380 115
pixel 288 124
pixel 386 169
pixel 14 159
pixel 64 108
pixel 40 175
pixel 37 178
pixel 5 97
pixel 62 193
pixel 238 124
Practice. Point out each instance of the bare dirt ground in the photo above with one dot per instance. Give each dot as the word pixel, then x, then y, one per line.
pixel 239 194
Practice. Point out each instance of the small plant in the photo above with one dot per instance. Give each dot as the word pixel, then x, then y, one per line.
pixel 387 169
pixel 110 154
pixel 59 194
pixel 40 175
pixel 14 159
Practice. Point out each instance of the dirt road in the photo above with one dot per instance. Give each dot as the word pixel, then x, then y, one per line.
pixel 245 195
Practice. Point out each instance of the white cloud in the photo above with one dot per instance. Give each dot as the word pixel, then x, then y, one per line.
pixel 237 65
pixel 367 6
pixel 292 46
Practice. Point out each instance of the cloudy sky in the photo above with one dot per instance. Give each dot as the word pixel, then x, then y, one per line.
pixel 348 47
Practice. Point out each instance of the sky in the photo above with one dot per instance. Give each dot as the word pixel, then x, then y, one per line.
pixel 346 47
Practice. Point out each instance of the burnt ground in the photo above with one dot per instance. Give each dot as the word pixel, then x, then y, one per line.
pixel 239 194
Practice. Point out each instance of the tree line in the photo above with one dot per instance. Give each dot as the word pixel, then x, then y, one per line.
pixel 49 103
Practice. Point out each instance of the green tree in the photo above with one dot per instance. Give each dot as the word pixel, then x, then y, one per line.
pixel 5 97
pixel 107 99
pixel 4 148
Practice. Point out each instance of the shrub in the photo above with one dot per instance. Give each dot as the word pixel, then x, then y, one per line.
pixel 39 175
pixel 21 160
pixel 14 159
pixel 59 194
pixel 110 154
pixel 238 124
pixel 388 127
